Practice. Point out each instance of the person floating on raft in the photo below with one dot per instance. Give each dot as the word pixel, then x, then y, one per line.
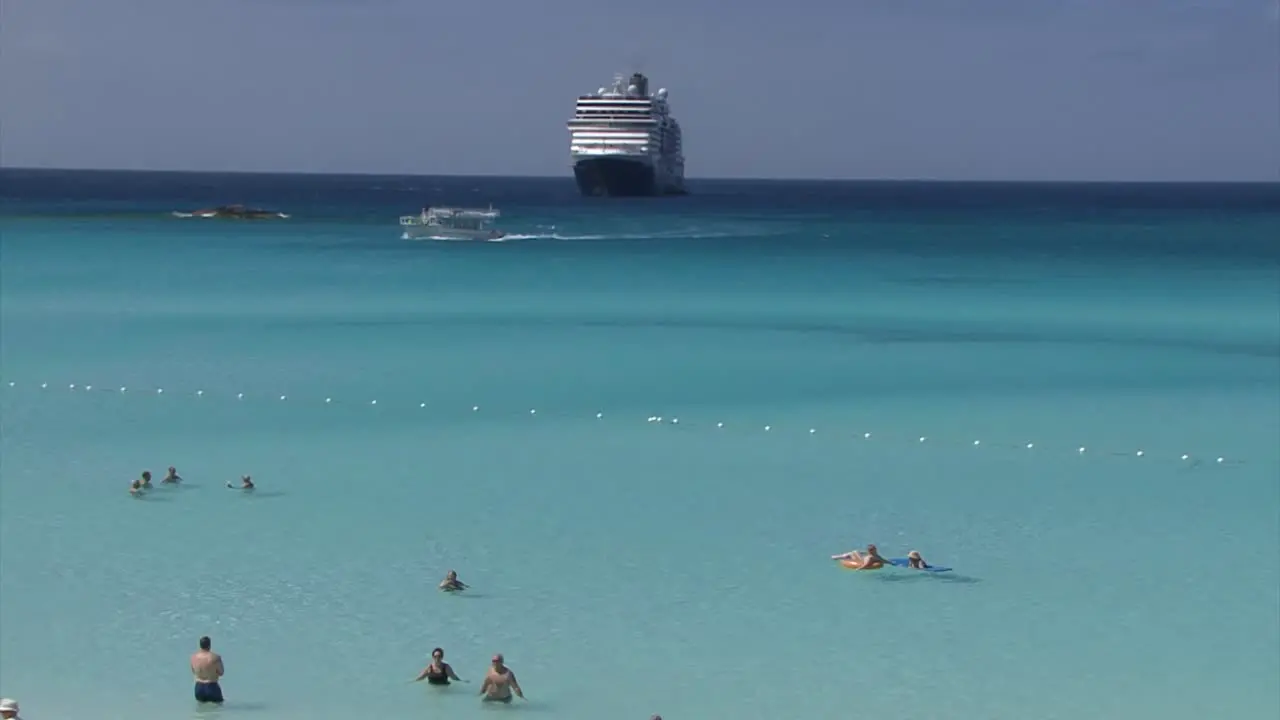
pixel 915 562
pixel 855 560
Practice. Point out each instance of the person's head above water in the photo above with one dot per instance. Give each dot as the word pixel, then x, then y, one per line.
pixel 205 643
pixel 146 474
pixel 437 654
pixel 914 555
pixel 498 661
pixel 872 549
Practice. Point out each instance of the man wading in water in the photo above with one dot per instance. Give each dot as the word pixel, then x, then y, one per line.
pixel 499 683
pixel 206 667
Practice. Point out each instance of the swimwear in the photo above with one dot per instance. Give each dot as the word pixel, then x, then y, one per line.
pixel 506 699
pixel 437 678
pixel 208 692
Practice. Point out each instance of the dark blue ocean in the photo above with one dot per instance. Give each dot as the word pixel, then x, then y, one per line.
pixel 639 429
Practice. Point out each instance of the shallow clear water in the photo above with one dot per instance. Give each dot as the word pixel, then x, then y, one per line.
pixel 627 566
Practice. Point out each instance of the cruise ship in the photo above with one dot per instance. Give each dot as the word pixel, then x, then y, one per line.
pixel 624 141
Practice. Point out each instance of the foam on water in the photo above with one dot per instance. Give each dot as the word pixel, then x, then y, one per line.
pixel 641 454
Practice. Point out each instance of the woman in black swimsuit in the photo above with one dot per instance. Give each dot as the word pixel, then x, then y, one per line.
pixel 438 672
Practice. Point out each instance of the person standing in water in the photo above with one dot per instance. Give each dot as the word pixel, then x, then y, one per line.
pixel 206 668
pixel 246 483
pixel 451 583
pixel 172 477
pixel 500 682
pixel 438 672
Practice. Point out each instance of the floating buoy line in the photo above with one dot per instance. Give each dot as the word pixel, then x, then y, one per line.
pixel 864 436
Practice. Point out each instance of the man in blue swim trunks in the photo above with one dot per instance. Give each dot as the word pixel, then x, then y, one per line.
pixel 206 668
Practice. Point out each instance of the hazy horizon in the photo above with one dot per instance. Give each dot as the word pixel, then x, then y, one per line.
pixel 906 90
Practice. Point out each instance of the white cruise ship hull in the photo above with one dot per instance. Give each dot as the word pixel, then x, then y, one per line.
pixel 625 176
pixel 437 232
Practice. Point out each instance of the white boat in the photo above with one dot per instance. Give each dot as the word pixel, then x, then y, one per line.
pixel 624 141
pixel 445 223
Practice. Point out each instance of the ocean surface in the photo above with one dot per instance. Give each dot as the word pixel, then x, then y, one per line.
pixel 639 429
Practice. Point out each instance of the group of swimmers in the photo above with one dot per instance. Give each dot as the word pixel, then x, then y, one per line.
pixel 139 487
pixel 500 684
pixel 872 560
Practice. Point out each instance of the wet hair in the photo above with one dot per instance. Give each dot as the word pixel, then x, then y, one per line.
pixel 437 651
pixel 205 643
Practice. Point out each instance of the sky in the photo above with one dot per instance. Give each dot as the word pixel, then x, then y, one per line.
pixel 896 89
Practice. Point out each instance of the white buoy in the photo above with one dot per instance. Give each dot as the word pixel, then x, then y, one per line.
pixel 1081 451
pixel 1030 445
pixel 475 408
pixel 533 412
pixel 767 428
pixel 1222 460
pixel 159 391
pixel 123 389
pixel 328 400
pixel 719 424
pixel 240 396
pixel 866 435
pixel 977 442
pixel 72 386
pixel 923 438
pixel 42 385
pixel 1186 457
pixel 12 383
pixel 422 405
pixel 675 421
pixel 1140 453
pixel 282 397
pixel 813 430
pixel 373 402
pixel 599 415
pixel 88 387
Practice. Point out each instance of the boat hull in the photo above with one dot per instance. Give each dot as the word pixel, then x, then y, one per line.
pixel 620 177
pixel 427 232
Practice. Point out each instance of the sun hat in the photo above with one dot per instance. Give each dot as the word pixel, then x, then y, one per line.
pixel 7 705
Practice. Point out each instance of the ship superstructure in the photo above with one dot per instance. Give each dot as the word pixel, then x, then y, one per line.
pixel 624 141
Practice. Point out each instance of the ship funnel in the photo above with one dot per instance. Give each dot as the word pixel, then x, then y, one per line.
pixel 641 83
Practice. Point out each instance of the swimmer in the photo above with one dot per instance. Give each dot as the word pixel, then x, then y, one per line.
pixel 172 477
pixel 915 562
pixel 438 672
pixel 136 489
pixel 246 483
pixel 451 583
pixel 870 561
pixel 146 479
pixel 499 682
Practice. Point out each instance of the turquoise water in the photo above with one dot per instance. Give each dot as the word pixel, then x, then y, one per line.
pixel 408 408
